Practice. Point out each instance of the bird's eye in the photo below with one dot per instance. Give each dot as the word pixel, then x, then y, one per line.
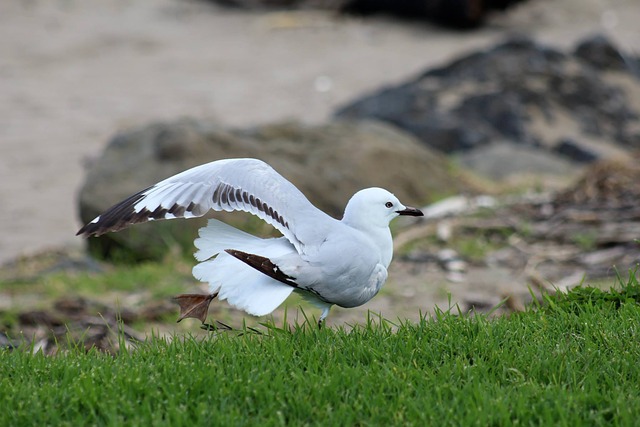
pixel 389 204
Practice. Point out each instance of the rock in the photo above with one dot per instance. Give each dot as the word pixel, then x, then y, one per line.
pixel 519 92
pixel 453 13
pixel 327 162
pixel 602 54
pixel 31 267
pixel 501 161
pixel 611 183
pixel 575 151
pixel 40 317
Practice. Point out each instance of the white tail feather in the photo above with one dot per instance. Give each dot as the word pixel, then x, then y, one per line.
pixel 218 236
pixel 241 285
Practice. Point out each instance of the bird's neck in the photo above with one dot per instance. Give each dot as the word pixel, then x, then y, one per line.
pixel 381 237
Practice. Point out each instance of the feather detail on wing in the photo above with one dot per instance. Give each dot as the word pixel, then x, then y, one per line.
pixel 248 185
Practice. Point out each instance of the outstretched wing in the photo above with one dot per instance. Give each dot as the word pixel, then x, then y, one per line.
pixel 248 185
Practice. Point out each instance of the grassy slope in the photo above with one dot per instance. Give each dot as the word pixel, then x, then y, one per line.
pixel 573 361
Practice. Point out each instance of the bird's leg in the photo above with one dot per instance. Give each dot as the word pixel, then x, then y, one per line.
pixel 215 328
pixel 323 316
pixel 194 305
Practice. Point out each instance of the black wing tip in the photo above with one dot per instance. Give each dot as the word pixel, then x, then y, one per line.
pixel 116 221
pixel 95 229
pixel 106 223
pixel 117 217
pixel 84 232
pixel 90 229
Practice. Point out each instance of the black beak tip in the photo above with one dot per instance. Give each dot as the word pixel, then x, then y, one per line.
pixel 410 212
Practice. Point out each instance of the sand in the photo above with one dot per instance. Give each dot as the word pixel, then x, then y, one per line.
pixel 73 73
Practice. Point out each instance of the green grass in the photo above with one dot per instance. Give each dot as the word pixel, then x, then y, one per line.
pixel 571 360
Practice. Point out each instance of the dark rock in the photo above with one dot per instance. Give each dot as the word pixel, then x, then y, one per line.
pixel 518 91
pixel 72 306
pixel 602 54
pixel 40 317
pixel 453 13
pixel 574 151
pixel 328 163
pixel 504 112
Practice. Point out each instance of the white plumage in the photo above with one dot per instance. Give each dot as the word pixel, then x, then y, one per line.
pixel 328 261
pixel 241 285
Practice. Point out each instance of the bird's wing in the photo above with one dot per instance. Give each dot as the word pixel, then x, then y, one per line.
pixel 248 185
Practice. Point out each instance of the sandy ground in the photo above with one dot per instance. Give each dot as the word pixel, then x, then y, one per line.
pixel 72 73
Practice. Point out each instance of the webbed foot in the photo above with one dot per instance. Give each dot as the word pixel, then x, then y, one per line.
pixel 194 305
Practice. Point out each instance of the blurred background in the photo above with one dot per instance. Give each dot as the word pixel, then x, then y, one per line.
pixel 442 98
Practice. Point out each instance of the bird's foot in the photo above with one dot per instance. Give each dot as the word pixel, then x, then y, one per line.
pixel 194 305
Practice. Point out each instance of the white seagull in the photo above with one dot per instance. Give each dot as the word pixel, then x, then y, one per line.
pixel 327 261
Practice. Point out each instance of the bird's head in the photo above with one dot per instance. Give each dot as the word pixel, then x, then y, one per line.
pixel 375 207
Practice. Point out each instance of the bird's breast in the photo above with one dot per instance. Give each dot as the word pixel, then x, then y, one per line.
pixel 357 291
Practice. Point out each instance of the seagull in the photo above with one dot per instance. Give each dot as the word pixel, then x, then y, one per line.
pixel 328 261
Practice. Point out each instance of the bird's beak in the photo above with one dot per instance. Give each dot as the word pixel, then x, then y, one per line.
pixel 410 211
